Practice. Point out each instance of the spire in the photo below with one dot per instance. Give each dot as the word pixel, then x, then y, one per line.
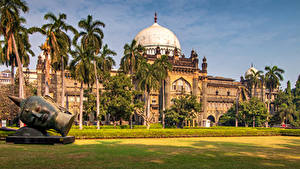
pixel 251 64
pixel 155 17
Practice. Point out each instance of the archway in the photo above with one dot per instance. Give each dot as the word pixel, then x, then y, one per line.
pixel 212 120
pixel 181 85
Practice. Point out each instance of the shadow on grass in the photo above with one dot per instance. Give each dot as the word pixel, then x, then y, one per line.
pixel 116 154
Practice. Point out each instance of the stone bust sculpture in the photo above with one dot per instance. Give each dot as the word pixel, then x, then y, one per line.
pixel 42 113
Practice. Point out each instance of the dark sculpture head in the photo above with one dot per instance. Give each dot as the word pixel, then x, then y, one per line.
pixel 43 113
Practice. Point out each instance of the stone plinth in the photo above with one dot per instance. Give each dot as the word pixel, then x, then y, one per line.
pixel 40 139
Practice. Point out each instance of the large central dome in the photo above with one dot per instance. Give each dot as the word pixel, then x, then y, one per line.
pixel 156 35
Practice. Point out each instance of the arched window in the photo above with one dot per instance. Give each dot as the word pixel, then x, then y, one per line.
pixel 217 92
pixel 181 85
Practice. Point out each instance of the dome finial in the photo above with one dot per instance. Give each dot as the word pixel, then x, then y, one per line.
pixel 251 64
pixel 155 17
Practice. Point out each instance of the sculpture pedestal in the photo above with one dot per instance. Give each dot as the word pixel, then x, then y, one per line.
pixel 40 139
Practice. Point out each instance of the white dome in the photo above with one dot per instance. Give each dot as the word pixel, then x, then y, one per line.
pixel 157 35
pixel 250 72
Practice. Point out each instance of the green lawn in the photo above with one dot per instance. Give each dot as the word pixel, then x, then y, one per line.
pixel 205 152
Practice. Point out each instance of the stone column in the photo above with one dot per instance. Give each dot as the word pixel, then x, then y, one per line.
pixel 57 87
pixel 39 82
pixel 204 99
pixel 195 87
pixel 167 92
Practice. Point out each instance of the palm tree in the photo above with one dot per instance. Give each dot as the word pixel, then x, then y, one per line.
pixel 105 62
pixel 287 112
pixel 262 89
pixel 241 95
pixel 273 77
pixel 148 80
pixel 132 57
pixel 164 66
pixel 82 70
pixel 92 36
pixel 254 80
pixel 10 22
pixel 57 45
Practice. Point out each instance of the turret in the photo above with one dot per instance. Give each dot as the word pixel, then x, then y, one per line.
pixel 204 65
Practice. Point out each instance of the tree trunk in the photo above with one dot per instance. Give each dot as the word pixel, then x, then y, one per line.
pixel 47 72
pixel 253 119
pixel 163 104
pixel 262 92
pixel 269 107
pixel 237 109
pixel 145 107
pixel 12 78
pixel 62 82
pixel 131 121
pixel 81 106
pixel 97 95
pixel 148 106
pixel 20 69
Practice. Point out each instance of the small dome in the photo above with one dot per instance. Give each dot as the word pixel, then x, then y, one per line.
pixel 157 35
pixel 250 71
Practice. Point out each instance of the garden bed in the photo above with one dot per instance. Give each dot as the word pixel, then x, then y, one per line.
pixel 93 133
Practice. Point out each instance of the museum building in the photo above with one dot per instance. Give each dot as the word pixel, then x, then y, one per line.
pixel 216 94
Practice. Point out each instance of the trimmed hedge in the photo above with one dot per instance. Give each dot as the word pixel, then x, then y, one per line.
pixel 152 126
pixel 169 133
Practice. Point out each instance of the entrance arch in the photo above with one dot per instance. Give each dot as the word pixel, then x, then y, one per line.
pixel 212 120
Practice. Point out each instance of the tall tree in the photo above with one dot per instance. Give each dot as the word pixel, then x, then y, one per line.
pixel 241 95
pixel 148 80
pixel 105 63
pixel 10 22
pixel 92 36
pixel 296 94
pixel 56 47
pixel 82 70
pixel 273 77
pixel 254 79
pixel 132 57
pixel 164 66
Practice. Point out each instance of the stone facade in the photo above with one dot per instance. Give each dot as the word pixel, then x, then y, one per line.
pixel 217 94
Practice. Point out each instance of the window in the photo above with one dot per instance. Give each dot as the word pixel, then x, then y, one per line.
pixel 153 101
pixel 217 92
pixel 228 93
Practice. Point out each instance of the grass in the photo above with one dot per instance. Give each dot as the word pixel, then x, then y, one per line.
pixel 205 152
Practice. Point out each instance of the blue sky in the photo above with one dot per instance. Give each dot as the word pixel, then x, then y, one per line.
pixel 232 34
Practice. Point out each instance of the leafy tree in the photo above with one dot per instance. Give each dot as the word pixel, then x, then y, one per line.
pixel 9 27
pixel 56 46
pixel 296 94
pixel 183 108
pixel 273 77
pixel 105 63
pixel 249 111
pixel 148 80
pixel 241 95
pixel 92 37
pixel 132 57
pixel 254 79
pixel 24 49
pixel 118 99
pixel 163 66
pixel 285 108
pixel 82 70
